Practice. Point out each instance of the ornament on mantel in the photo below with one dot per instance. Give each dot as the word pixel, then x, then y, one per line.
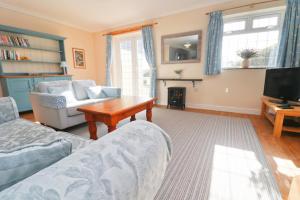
pixel 178 72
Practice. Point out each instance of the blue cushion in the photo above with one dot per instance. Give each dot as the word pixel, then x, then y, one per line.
pixel 112 91
pixel 79 88
pixel 63 91
pixel 20 163
pixel 96 92
pixel 43 86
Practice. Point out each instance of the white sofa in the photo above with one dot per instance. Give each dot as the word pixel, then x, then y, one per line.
pixel 57 111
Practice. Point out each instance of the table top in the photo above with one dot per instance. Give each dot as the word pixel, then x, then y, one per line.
pixel 116 106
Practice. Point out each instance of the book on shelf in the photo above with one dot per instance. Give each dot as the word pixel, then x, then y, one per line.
pixel 11 40
pixel 9 55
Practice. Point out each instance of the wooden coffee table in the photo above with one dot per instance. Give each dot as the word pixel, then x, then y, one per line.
pixel 112 111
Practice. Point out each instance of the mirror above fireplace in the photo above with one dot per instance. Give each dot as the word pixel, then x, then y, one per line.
pixel 181 48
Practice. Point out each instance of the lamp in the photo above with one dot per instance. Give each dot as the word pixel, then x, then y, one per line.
pixel 64 66
pixel 187 45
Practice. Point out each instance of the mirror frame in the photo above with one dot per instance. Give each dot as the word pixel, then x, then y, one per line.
pixel 197 60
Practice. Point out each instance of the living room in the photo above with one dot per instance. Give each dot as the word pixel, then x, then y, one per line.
pixel 195 79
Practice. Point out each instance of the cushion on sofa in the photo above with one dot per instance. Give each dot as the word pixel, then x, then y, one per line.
pixel 20 163
pixel 96 92
pixel 79 88
pixel 43 86
pixel 72 108
pixel 20 132
pixel 65 91
pixel 112 91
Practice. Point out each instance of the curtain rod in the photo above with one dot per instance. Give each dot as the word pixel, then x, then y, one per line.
pixel 128 30
pixel 252 4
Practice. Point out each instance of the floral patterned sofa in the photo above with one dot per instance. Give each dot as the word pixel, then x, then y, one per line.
pixel 130 163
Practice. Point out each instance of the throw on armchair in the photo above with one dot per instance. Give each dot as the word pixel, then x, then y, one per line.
pixel 9 110
pixel 55 103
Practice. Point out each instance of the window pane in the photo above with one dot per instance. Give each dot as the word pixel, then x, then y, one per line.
pixel 132 71
pixel 263 42
pixel 127 68
pixel 143 71
pixel 265 22
pixel 234 26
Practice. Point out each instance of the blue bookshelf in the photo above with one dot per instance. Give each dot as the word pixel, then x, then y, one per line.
pixel 27 64
pixel 31 61
pixel 41 44
pixel 19 47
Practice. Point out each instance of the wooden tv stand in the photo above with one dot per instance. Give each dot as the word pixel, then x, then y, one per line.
pixel 278 118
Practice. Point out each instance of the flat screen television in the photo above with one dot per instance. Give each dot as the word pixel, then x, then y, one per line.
pixel 283 83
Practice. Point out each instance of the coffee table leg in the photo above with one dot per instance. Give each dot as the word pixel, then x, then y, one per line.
pixel 93 130
pixel 149 114
pixel 111 128
pixel 132 118
pixel 92 126
pixel 111 123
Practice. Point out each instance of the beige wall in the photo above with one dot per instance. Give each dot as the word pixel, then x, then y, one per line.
pixel 75 38
pixel 100 52
pixel 245 87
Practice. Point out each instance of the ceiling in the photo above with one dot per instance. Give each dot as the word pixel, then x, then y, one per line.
pixel 97 15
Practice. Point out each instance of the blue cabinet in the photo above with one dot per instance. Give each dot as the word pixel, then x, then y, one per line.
pixel 19 88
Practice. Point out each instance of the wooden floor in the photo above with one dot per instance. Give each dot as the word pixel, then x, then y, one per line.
pixel 283 154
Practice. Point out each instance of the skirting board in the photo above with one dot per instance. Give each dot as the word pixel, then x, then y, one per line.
pixel 241 110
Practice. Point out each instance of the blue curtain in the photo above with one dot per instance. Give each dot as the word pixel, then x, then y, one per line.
pixel 289 46
pixel 214 44
pixel 147 35
pixel 108 59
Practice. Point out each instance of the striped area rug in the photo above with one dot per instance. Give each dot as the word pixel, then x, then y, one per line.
pixel 214 158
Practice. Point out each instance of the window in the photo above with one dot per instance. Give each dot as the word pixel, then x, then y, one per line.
pixel 259 32
pixel 130 69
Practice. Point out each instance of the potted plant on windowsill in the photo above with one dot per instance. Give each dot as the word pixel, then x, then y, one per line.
pixel 246 55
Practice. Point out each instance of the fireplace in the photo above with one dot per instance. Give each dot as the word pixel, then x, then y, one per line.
pixel 176 97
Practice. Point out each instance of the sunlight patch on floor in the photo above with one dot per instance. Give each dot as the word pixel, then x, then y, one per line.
pixel 236 174
pixel 286 167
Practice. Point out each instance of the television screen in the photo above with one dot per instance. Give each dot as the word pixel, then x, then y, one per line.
pixel 283 83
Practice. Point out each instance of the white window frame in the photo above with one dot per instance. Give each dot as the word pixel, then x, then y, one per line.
pixel 117 79
pixel 248 18
pixel 117 65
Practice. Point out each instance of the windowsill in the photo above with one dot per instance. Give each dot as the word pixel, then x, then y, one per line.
pixel 239 68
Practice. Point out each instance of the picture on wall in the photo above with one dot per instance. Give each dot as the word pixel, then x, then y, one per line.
pixel 79 58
